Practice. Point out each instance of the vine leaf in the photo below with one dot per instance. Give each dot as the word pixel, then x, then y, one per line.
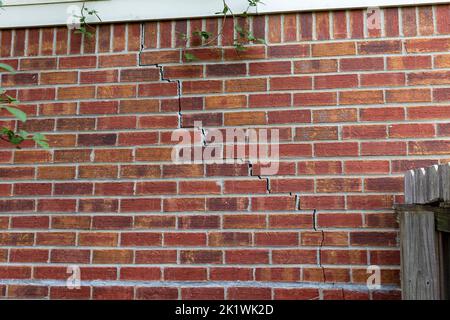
pixel 6 67
pixel 203 34
pixel 19 114
pixel 24 134
pixel 189 57
pixel 41 140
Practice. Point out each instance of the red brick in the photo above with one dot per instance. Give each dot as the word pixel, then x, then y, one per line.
pixel 333 49
pixel 154 293
pixel 361 97
pixel 185 274
pixel 343 149
pixel 288 51
pixel 199 187
pixel 112 256
pixel 140 205
pixel 246 85
pixel 368 202
pixel 244 222
pixel 336 185
pixel 140 273
pixel 202 293
pixel 409 62
pixel 383 79
pixel 428 147
pixel 385 257
pixel 270 68
pixel 276 239
pixel 344 257
pixel 364 132
pixel 282 221
pixel 29 222
pixel 243 293
pixel 338 220
pixel 100 239
pixel 202 86
pixel 333 115
pixel 357 24
pixel 70 256
pixel 443 19
pixel 427 45
pixel 56 205
pixel 155 256
pixel 55 238
pixel 118 60
pixel 296 294
pixel 373 239
pixel 160 56
pixel 383 148
pixel 112 293
pixel 391 22
pixel 158 89
pixel 315 99
pixel 111 222
pixel 326 275
pixel 27 292
pixel 16 205
pixel 140 239
pixel 319 167
pixel 294 256
pixel 98 205
pixel 379 47
pixel 12 272
pixel 277 274
pixel 63 293
pixel 409 21
pixel 382 114
pixel 366 166
pixel 77 62
pixel 322 202
pixel 411 130
pixel 316 133
pixel 305 24
pixel 339 25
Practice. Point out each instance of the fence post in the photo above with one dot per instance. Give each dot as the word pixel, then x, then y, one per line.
pixel 420 246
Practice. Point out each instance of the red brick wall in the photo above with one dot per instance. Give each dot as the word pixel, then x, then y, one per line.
pixel 355 109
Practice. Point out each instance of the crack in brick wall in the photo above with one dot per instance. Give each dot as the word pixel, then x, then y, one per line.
pixel 355 109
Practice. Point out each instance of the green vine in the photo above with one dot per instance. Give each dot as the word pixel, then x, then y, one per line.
pixel 83 17
pixel 244 35
pixel 9 103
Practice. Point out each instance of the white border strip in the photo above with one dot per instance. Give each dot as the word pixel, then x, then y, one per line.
pixel 141 10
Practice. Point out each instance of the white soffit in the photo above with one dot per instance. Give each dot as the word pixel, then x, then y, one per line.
pixel 32 13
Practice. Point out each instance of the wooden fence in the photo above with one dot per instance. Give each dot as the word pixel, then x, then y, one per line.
pixel 424 234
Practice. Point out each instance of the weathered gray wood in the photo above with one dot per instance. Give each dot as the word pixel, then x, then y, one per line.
pixel 427 185
pixel 410 196
pixel 419 256
pixel 442 217
pixel 422 222
pixel 444 182
pixel 420 186
pixel 432 184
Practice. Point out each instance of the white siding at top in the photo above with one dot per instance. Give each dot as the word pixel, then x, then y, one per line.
pixel 30 2
pixel 55 12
